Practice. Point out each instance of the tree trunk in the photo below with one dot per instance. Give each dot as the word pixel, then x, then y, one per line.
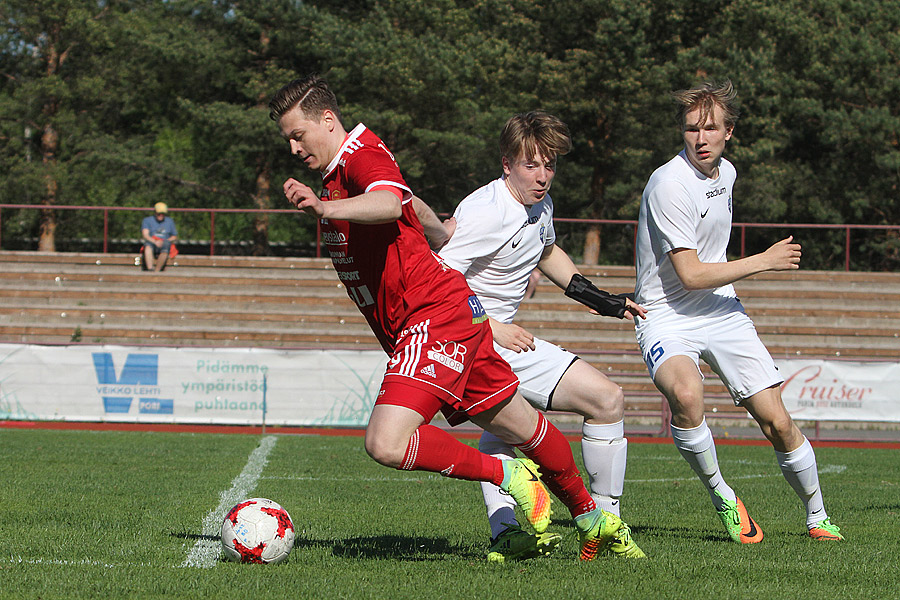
pixel 592 239
pixel 262 201
pixel 49 150
pixel 261 197
pixel 592 246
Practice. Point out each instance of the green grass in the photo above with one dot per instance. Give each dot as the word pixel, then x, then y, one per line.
pixel 115 514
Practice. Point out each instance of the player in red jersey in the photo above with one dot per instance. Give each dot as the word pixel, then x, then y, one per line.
pixel 428 321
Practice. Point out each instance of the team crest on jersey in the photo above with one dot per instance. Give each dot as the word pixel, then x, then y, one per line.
pixel 478 314
pixel 543 229
pixel 729 204
pixel 336 194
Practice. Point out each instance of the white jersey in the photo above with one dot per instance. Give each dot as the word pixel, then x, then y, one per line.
pixel 497 244
pixel 682 208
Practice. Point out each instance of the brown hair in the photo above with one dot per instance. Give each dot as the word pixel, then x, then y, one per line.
pixel 704 97
pixel 311 94
pixel 528 134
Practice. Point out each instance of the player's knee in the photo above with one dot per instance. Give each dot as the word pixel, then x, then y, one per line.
pixel 385 452
pixel 608 405
pixel 779 429
pixel 686 393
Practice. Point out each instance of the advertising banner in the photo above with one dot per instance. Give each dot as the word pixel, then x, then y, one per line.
pixel 316 387
pixel 188 385
pixel 833 390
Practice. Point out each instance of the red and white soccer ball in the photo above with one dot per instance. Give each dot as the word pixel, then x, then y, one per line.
pixel 257 530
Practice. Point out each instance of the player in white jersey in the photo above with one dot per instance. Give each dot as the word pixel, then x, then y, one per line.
pixel 684 281
pixel 502 232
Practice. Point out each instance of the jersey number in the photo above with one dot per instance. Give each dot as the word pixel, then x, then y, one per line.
pixel 361 295
pixel 656 352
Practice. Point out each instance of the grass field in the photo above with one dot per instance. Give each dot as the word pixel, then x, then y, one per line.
pixel 134 515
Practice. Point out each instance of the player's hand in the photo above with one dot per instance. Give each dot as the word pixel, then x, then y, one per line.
pixel 512 337
pixel 450 227
pixel 634 310
pixel 783 255
pixel 303 198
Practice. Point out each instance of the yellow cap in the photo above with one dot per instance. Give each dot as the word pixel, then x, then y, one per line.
pixel 160 207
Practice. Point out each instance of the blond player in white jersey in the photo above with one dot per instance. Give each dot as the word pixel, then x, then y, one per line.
pixel 502 232
pixel 684 281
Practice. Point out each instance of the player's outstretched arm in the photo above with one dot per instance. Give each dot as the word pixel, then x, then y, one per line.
pixel 696 275
pixel 560 269
pixel 377 206
pixel 557 266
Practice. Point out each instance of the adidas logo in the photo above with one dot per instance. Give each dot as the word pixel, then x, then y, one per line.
pixel 428 370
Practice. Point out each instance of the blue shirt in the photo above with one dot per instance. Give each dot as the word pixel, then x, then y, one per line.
pixel 162 229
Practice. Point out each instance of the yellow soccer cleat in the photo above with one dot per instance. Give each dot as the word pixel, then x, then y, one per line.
pixel 521 480
pixel 598 530
pixel 515 544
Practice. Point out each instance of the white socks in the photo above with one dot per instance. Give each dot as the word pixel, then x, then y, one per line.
pixel 799 468
pixel 605 449
pixel 698 449
pixel 501 508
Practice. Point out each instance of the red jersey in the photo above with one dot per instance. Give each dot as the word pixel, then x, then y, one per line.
pixel 389 270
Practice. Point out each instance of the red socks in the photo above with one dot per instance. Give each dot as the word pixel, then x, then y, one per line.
pixel 552 452
pixel 433 449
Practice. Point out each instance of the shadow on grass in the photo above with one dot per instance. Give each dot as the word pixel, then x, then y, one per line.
pixel 390 546
pixel 381 546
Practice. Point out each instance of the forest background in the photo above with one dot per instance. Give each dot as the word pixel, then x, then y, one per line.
pixel 131 102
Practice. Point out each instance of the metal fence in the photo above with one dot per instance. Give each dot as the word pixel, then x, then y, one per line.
pixel 200 225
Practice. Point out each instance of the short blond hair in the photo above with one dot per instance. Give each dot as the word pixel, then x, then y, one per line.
pixel 704 97
pixel 532 133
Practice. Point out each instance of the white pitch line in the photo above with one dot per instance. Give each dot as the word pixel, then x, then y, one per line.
pixel 67 563
pixel 205 552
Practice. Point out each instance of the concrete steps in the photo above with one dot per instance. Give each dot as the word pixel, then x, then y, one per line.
pixel 60 298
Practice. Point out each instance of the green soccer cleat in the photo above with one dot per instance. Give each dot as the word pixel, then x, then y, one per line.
pixel 825 531
pixel 740 527
pixel 623 546
pixel 521 480
pixel 598 530
pixel 515 544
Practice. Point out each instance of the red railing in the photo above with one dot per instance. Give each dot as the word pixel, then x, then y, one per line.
pixel 846 228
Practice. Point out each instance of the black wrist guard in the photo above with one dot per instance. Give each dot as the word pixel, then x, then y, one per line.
pixel 609 305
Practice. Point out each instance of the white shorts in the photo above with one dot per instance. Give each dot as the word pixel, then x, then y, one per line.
pixel 728 343
pixel 539 370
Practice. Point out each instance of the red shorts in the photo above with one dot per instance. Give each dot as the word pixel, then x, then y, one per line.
pixel 447 363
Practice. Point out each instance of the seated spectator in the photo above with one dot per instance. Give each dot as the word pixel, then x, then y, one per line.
pixel 158 233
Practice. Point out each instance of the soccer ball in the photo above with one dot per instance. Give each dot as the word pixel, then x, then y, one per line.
pixel 257 530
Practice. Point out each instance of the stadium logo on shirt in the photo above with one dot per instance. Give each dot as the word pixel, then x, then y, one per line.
pixel 478 314
pixel 450 354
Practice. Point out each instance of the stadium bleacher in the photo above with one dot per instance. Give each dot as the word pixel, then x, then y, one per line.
pixel 277 302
